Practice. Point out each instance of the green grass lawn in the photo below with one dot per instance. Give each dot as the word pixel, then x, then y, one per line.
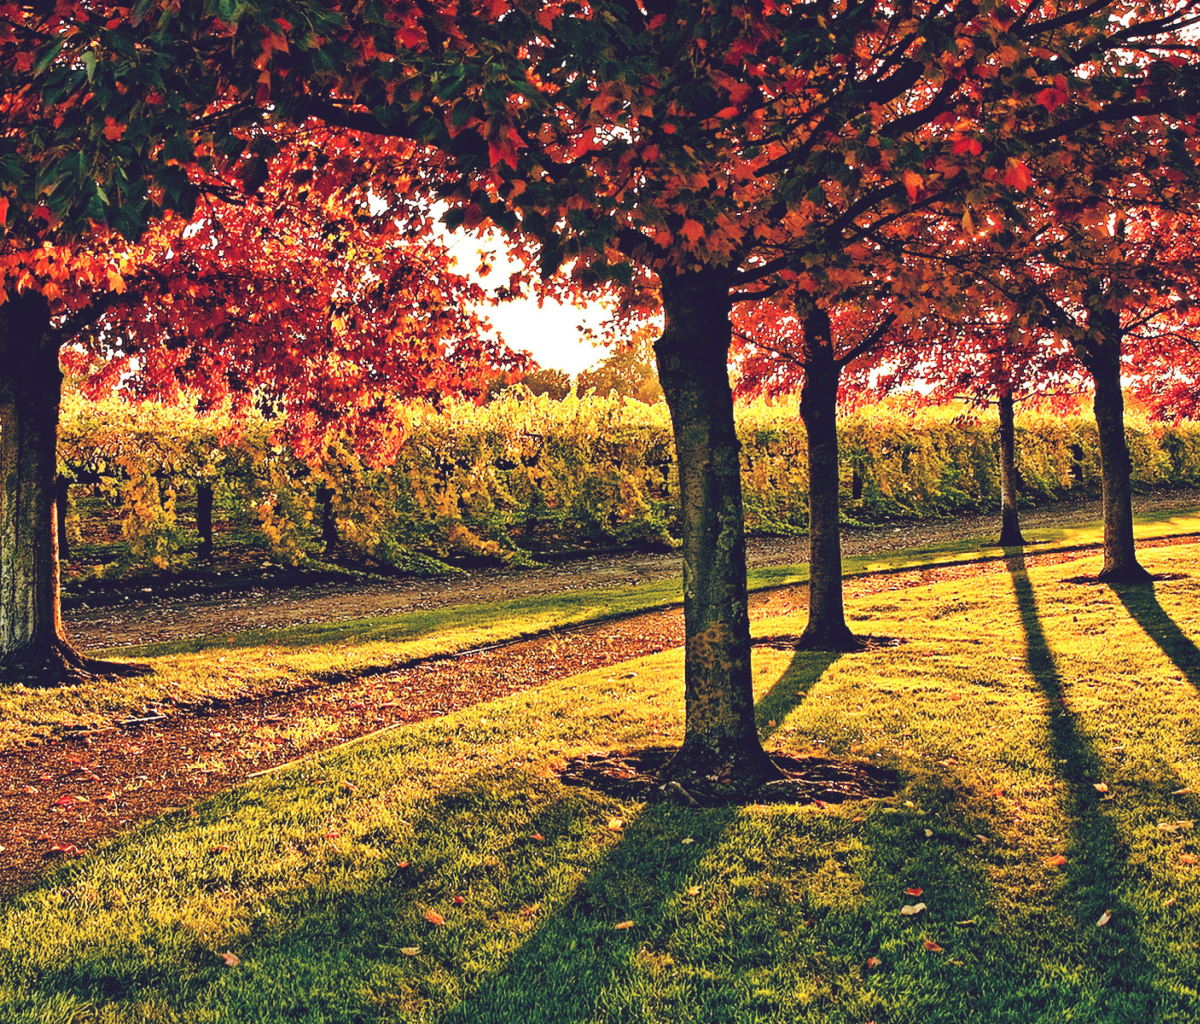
pixel 1048 737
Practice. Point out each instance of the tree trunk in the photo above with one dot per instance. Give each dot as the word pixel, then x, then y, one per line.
pixel 721 751
pixel 204 524
pixel 826 629
pixel 329 531
pixel 33 647
pixel 62 502
pixel 1104 361
pixel 1010 526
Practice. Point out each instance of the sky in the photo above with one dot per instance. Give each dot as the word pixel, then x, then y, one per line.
pixel 549 332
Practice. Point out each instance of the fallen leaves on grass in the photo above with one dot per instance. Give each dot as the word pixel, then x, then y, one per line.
pixel 624 925
pixel 911 910
pixel 933 947
pixel 913 892
pixel 230 959
pixel 433 917
pixel 1057 861
pixel 1104 919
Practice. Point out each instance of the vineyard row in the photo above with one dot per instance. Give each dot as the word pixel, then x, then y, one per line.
pixel 150 485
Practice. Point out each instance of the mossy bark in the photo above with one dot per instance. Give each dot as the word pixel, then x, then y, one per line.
pixel 33 647
pixel 721 749
pixel 1010 523
pixel 826 629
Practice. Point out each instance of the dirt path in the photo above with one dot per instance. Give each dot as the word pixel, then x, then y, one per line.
pixel 158 619
pixel 61 798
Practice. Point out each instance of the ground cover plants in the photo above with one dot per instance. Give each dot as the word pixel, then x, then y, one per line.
pixel 1045 729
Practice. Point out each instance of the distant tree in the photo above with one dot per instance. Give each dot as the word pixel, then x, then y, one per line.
pixel 629 372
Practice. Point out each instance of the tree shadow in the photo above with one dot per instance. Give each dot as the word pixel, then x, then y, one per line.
pixel 789 691
pixel 1098 858
pixel 1141 602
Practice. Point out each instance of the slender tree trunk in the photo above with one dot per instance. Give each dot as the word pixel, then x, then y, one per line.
pixel 1010 525
pixel 721 749
pixel 62 502
pixel 329 531
pixel 204 523
pixel 33 647
pixel 826 629
pixel 1116 468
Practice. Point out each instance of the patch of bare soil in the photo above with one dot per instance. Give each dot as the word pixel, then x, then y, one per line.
pixel 634 775
pixel 75 791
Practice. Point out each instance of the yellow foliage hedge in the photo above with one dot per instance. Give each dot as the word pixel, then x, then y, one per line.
pixel 527 473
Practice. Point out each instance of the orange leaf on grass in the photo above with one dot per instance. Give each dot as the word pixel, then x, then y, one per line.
pixel 433 917
pixel 1057 861
pixel 913 892
pixel 230 959
pixel 933 947
pixel 624 926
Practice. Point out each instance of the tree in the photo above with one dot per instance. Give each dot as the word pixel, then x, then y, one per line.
pixel 712 154
pixel 628 371
pixel 809 347
pixel 716 154
pixel 985 355
pixel 318 307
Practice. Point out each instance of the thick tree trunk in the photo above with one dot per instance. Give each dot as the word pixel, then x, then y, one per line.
pixel 33 648
pixel 204 524
pixel 826 629
pixel 1010 525
pixel 721 749
pixel 1116 468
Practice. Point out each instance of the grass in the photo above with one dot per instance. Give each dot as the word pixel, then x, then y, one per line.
pixel 257 660
pixel 1016 695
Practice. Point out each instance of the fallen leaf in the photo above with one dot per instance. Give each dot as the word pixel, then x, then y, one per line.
pixel 929 833
pixel 997 790
pixel 933 947
pixel 349 787
pixel 771 723
pixel 1104 919
pixel 1057 861
pixel 410 950
pixel 537 837
pixel 912 892
pixel 616 824
pixel 873 962
pixel 333 835
pixel 911 910
pixel 1182 792
pixel 219 849
pixel 970 922
pixel 624 926
pixel 230 959
pixel 1167 826
pixel 687 841
pixel 693 890
pixel 1187 858
pixel 1100 787
pixel 1171 902
pixel 433 917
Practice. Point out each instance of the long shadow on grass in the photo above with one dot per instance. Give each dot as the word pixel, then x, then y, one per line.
pixel 1097 860
pixel 1142 604
pixel 789 691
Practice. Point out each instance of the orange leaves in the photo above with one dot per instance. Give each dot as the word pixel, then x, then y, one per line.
pixel 229 959
pixel 3 211
pixel 933 947
pixel 1016 174
pixel 913 183
pixel 692 230
pixel 433 917
pixel 1054 95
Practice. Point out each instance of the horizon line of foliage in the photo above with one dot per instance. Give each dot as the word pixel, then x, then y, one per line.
pixel 527 474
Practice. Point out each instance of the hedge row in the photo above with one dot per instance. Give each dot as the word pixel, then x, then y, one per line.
pixel 525 474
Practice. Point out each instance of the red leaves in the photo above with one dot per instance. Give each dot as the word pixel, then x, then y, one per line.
pixel 692 230
pixel 1016 174
pixel 913 183
pixel 1054 95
